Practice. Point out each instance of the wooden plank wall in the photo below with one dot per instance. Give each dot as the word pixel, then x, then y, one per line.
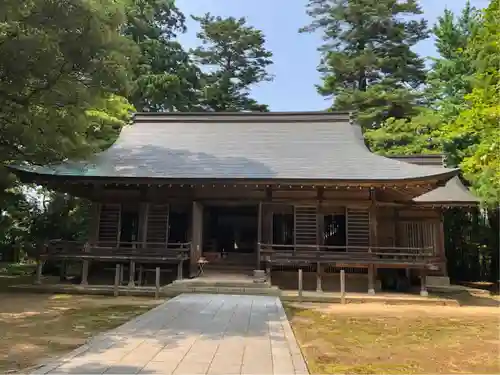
pixel 386 226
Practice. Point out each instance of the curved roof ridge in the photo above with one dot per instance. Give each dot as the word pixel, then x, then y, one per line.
pixel 248 117
pixel 326 147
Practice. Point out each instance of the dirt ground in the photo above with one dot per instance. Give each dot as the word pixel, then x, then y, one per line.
pixel 377 338
pixel 36 327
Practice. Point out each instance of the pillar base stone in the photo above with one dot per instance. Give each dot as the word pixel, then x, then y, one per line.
pixel 371 291
pixel 424 293
pixel 259 276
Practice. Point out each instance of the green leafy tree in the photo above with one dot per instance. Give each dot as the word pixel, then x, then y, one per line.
pixel 16 217
pixel 474 136
pixel 233 58
pixel 64 73
pixel 420 135
pixel 165 78
pixel 367 61
pixel 106 119
pixel 449 78
pixel 58 59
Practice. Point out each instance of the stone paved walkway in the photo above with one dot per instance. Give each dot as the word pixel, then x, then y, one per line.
pixel 194 334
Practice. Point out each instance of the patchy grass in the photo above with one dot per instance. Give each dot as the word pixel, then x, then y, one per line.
pixel 36 327
pixel 346 339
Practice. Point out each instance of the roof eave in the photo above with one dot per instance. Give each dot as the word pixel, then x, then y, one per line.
pixel 33 176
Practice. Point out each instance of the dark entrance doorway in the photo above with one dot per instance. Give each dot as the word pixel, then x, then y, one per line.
pixel 230 230
pixel 129 225
pixel 335 231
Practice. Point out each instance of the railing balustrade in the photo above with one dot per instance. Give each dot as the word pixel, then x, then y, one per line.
pixel 116 250
pixel 288 254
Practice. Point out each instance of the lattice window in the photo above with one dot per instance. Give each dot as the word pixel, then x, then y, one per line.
pixel 418 234
pixel 109 224
pixel 306 225
pixel 157 225
pixel 358 229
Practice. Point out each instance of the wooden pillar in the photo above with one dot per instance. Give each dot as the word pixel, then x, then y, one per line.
pixel 267 224
pixel 319 269
pixel 38 277
pixel 441 246
pixel 196 237
pixel 259 234
pixel 423 283
pixel 373 240
pixel 143 223
pixel 373 220
pixel 131 274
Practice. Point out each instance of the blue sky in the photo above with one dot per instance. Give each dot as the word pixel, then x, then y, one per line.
pixel 295 56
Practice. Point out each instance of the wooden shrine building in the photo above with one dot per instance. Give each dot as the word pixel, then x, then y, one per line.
pixel 264 190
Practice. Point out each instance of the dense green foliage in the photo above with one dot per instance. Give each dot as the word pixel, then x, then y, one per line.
pixel 461 118
pixel 165 78
pixel 58 59
pixel 367 61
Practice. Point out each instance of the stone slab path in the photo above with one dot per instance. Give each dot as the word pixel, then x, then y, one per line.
pixel 194 334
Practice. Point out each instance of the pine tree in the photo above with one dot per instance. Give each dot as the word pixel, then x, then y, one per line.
pixel 233 58
pixel 165 78
pixel 448 80
pixel 367 63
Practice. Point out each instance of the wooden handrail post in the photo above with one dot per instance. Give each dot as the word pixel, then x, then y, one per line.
pixel 318 277
pixel 179 269
pixel 157 283
pixel 342 286
pixel 258 256
pixel 300 285
pixel 85 266
pixel 39 267
pixel 268 267
pixel 117 279
pixel 423 284
pixel 371 281
pixel 131 274
pixel 141 273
